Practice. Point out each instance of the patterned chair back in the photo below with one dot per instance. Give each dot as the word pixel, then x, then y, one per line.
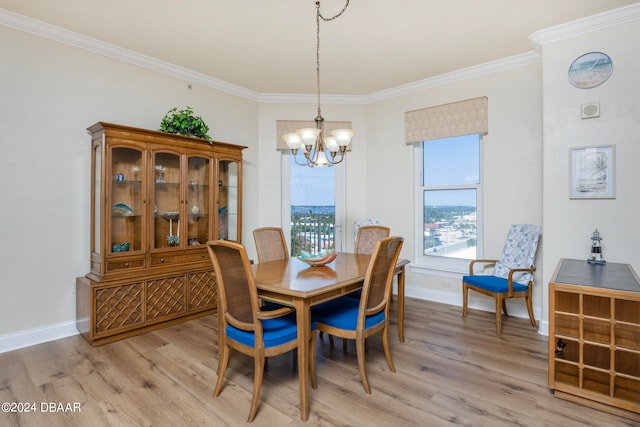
pixel 519 252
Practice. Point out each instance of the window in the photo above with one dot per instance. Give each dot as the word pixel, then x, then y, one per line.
pixel 313 205
pixel 447 202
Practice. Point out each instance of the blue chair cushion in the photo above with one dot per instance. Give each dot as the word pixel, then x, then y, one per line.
pixel 342 313
pixel 275 331
pixel 493 284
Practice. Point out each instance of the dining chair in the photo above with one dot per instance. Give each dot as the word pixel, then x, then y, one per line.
pixel 512 275
pixel 358 319
pixel 245 326
pixel 368 236
pixel 270 244
pixel 366 239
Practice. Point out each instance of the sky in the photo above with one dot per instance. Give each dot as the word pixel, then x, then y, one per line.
pixel 312 186
pixel 451 161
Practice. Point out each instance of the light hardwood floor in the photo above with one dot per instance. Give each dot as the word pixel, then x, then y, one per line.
pixel 450 371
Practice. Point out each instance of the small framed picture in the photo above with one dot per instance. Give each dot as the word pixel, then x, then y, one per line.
pixel 593 172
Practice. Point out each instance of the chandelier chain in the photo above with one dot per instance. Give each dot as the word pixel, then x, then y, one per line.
pixel 316 152
pixel 318 17
pixel 333 17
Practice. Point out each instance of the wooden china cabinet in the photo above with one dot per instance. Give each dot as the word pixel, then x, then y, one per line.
pixel 156 199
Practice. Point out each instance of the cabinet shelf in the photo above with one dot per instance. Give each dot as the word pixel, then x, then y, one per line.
pixel 126 182
pixel 594 335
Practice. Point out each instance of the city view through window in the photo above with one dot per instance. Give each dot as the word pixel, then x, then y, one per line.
pixel 450 230
pixel 450 184
pixel 313 213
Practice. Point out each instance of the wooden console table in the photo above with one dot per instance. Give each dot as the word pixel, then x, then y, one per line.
pixel 594 336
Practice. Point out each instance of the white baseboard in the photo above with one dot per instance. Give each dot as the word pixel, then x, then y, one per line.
pixel 543 328
pixel 29 337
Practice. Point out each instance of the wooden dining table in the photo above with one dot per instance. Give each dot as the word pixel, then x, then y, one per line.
pixel 296 284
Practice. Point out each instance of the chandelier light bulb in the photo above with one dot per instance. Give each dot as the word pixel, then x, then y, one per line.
pixel 308 135
pixel 293 140
pixel 330 144
pixel 342 136
pixel 322 161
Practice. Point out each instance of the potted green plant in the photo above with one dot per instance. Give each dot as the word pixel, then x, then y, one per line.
pixel 185 122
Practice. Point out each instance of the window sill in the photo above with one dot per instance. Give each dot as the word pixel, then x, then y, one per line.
pixel 438 271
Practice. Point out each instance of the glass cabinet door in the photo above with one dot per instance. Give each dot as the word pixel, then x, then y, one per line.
pixel 126 200
pixel 199 175
pixel 227 204
pixel 166 200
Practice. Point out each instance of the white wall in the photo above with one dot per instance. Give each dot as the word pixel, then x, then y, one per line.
pixel 50 94
pixel 570 223
pixel 511 178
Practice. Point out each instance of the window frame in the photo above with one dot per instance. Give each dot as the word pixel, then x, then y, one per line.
pixel 441 263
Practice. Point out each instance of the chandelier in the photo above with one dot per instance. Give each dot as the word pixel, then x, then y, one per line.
pixel 319 150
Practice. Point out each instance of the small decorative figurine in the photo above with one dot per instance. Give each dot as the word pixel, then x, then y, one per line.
pixel 596 249
pixel 160 174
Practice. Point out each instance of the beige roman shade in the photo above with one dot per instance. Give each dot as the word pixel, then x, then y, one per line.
pixel 448 120
pixel 289 126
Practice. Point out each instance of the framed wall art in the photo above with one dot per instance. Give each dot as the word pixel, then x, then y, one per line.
pixel 592 172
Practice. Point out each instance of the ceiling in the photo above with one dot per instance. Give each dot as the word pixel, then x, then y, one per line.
pixel 269 46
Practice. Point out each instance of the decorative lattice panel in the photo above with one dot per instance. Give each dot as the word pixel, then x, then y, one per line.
pixel 118 307
pixel 165 297
pixel 202 290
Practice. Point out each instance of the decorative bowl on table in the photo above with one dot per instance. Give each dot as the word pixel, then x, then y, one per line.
pixel 318 259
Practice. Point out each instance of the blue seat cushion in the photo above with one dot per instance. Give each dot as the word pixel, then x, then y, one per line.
pixel 342 313
pixel 493 283
pixel 276 331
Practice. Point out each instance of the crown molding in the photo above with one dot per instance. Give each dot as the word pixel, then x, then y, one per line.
pixel 52 32
pixel 457 76
pixel 585 25
pixel 61 35
pixel 443 79
pixel 288 98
